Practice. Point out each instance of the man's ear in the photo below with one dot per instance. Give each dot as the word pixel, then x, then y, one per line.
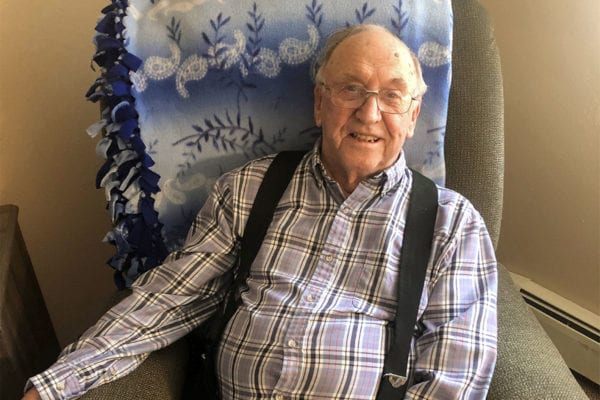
pixel 318 103
pixel 414 115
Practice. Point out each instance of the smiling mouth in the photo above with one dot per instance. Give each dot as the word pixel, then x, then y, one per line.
pixel 364 138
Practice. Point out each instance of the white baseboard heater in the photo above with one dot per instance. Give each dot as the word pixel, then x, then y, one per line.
pixel 574 330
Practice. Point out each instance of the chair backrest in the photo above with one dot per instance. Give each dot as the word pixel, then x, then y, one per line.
pixel 474 144
pixel 194 88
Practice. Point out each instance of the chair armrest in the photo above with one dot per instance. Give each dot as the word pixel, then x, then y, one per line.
pixel 529 366
pixel 161 376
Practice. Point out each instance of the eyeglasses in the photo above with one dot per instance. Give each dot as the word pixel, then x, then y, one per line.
pixel 391 101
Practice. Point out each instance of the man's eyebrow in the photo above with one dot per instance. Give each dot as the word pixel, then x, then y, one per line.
pixel 401 82
pixel 348 76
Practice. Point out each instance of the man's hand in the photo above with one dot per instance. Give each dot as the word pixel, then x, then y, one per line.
pixel 32 394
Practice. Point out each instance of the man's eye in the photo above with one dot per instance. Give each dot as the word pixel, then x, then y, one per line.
pixel 393 94
pixel 352 89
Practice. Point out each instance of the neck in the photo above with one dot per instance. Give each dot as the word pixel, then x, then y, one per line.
pixel 345 193
pixel 347 180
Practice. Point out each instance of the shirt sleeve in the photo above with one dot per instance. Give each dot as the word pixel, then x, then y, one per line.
pixel 166 303
pixel 455 351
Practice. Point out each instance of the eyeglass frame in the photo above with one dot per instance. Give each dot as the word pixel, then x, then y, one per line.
pixel 365 96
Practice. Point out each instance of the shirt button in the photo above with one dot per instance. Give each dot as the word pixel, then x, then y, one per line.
pixel 329 258
pixel 279 397
pixel 292 343
pixel 310 298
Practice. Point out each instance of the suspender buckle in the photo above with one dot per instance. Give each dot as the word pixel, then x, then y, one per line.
pixel 396 380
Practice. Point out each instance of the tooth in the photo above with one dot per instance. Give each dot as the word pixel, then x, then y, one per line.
pixel 366 138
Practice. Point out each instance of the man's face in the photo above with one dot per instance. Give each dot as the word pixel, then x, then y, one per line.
pixel 360 142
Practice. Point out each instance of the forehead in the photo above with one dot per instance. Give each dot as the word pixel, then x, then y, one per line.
pixel 369 53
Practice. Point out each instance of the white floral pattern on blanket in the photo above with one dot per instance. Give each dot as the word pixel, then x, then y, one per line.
pixel 222 82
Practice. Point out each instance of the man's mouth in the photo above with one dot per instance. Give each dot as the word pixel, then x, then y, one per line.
pixel 364 138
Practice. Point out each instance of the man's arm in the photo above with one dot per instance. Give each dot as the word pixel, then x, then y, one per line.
pixel 165 304
pixel 455 353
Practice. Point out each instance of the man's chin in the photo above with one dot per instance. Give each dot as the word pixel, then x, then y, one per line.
pixel 364 165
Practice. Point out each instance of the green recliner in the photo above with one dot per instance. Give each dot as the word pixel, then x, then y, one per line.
pixel 529 365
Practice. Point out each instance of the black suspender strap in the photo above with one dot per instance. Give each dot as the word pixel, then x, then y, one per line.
pixel 415 253
pixel 201 381
pixel 269 193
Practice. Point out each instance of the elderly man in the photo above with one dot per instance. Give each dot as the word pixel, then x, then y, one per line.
pixel 315 320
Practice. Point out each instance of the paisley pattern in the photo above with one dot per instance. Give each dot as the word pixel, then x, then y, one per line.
pixel 195 88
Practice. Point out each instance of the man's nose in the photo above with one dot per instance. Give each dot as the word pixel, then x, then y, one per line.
pixel 369 111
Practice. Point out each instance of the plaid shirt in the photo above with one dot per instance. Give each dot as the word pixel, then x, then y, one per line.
pixel 320 299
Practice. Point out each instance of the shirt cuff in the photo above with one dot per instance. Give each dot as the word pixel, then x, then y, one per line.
pixel 54 386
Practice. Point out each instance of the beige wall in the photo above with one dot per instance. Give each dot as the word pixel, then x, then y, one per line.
pixel 47 162
pixel 550 232
pixel 550 54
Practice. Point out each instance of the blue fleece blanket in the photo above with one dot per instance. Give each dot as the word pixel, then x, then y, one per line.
pixel 194 88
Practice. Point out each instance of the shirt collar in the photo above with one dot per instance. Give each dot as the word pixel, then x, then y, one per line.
pixel 384 180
